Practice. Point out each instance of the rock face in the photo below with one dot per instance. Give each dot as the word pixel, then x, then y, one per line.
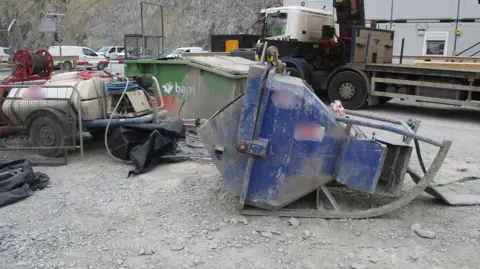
pixel 96 23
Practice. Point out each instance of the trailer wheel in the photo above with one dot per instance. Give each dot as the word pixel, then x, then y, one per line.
pixel 46 132
pixel 349 88
pixel 66 66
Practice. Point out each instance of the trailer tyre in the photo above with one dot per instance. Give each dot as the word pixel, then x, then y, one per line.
pixel 67 66
pixel 349 88
pixel 46 132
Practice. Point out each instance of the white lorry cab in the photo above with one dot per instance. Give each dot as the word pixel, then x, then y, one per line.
pixel 86 57
pixel 178 52
pixel 111 52
pixel 302 24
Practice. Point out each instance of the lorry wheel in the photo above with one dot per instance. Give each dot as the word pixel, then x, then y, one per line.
pixel 349 88
pixel 67 66
pixel 293 72
pixel 45 132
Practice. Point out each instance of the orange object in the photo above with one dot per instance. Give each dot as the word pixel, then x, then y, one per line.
pixel 231 45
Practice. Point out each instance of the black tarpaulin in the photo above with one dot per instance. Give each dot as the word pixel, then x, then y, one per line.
pixel 146 144
pixel 18 181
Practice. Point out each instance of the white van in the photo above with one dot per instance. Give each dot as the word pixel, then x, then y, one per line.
pixel 86 57
pixel 178 52
pixel 110 52
pixel 4 54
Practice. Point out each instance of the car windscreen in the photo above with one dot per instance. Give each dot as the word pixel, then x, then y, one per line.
pixel 103 49
pixel 6 51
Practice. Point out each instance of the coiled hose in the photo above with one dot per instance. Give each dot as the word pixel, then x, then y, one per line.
pixel 40 62
pixel 125 89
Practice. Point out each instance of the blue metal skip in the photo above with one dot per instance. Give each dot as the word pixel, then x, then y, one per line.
pixel 280 142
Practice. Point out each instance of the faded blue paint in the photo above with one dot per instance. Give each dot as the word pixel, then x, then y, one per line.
pixel 361 159
pixel 290 168
pixel 258 147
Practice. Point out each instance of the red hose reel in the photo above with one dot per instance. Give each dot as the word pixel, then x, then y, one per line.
pixel 28 66
pixel 32 66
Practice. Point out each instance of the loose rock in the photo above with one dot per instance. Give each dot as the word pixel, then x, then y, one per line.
pixel 177 248
pixel 266 234
pixel 294 222
pixel 359 266
pixel 462 169
pixel 426 234
pixel 306 234
pixel 417 228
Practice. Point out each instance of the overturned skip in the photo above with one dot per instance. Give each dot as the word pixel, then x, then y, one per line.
pixel 278 143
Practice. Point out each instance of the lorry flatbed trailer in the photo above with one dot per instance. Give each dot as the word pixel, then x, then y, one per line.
pixel 424 71
pixel 458 87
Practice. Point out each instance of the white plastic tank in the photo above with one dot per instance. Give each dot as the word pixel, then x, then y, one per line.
pixel 23 101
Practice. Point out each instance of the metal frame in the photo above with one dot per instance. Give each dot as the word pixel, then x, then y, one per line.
pixel 161 18
pixel 406 198
pixel 58 18
pixel 453 87
pixel 76 110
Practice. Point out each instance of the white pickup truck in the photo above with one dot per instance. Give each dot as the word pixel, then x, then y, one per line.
pixel 86 57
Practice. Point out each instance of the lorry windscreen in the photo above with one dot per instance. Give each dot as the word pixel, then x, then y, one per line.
pixel 276 24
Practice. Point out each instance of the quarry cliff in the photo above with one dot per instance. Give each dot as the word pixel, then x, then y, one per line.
pixel 96 23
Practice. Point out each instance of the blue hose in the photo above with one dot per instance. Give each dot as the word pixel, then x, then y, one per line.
pixel 119 87
pixel 118 122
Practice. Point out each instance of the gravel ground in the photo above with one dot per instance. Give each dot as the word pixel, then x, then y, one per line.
pixel 182 216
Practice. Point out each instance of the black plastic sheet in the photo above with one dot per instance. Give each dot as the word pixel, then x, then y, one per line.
pixel 18 181
pixel 147 144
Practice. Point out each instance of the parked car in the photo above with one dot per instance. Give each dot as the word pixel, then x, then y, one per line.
pixel 4 54
pixel 178 52
pixel 86 57
pixel 121 56
pixel 110 52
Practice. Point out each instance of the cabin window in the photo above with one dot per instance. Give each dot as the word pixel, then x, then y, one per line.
pixel 435 44
pixel 276 24
pixel 435 47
